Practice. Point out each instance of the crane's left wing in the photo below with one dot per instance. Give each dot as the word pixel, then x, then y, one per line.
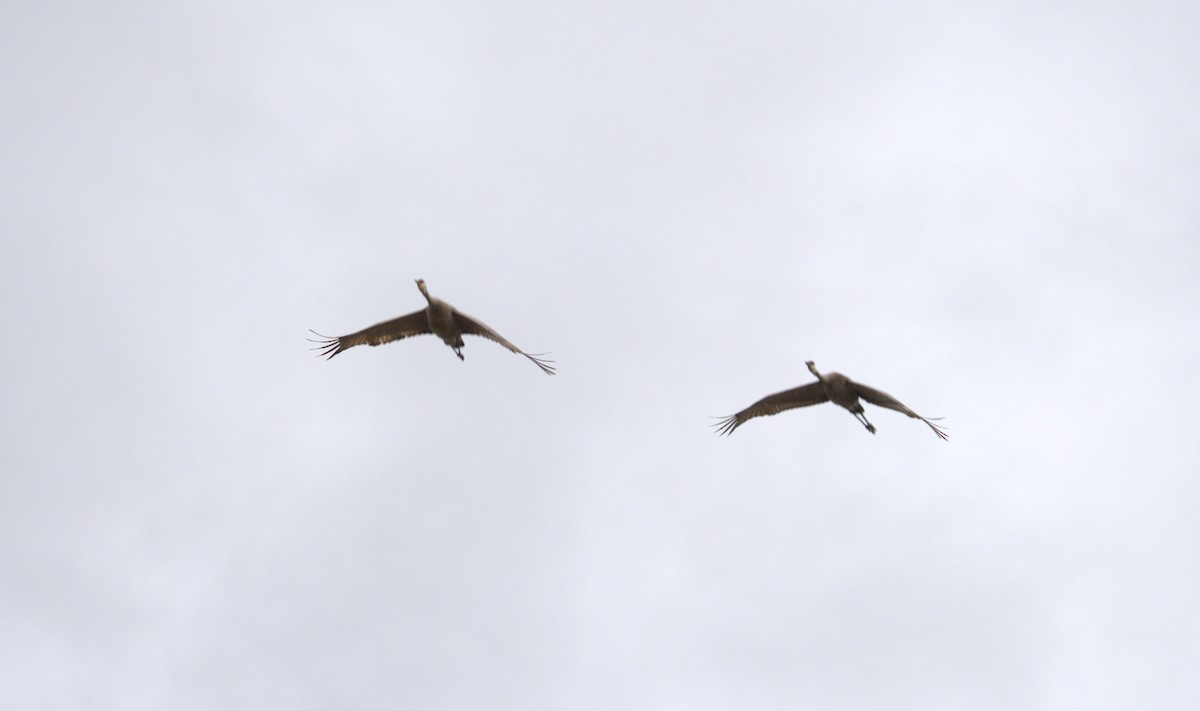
pixel 466 324
pixel 882 399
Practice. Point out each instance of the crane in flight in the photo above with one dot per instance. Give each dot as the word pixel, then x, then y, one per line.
pixel 831 387
pixel 439 318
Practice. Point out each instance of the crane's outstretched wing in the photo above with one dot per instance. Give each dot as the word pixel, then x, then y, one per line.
pixel 466 324
pixel 802 396
pixel 882 399
pixel 413 324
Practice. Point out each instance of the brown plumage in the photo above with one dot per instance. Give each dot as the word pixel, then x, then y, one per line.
pixel 833 387
pixel 439 318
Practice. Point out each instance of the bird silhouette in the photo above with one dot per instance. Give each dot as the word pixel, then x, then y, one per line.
pixel 438 318
pixel 832 387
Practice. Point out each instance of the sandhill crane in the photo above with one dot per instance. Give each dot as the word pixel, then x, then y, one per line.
pixel 833 387
pixel 439 318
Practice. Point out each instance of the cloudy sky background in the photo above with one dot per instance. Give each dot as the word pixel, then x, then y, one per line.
pixel 987 211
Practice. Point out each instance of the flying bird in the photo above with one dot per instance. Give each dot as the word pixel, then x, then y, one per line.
pixel 832 387
pixel 439 318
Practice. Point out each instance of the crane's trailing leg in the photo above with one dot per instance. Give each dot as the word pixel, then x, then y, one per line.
pixel 458 352
pixel 863 419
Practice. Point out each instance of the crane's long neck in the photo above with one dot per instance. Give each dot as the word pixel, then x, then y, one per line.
pixel 424 291
pixel 812 368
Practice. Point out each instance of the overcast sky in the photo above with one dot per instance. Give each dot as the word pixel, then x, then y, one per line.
pixel 988 210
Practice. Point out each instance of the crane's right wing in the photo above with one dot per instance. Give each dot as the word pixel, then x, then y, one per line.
pixel 414 324
pixel 802 396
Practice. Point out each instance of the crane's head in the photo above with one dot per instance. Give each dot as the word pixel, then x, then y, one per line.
pixel 421 285
pixel 812 368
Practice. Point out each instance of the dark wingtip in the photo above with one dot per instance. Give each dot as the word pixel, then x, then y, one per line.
pixel 727 425
pixel 542 363
pixel 329 346
pixel 939 430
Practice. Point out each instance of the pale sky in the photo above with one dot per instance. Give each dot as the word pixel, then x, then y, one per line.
pixel 986 210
